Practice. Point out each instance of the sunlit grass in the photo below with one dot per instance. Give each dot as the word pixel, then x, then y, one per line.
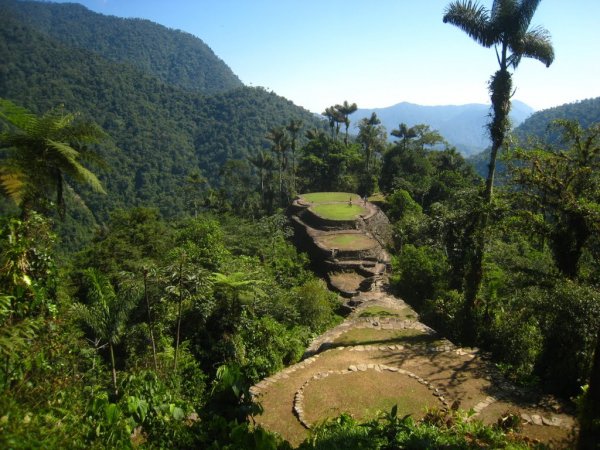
pixel 363 394
pixel 324 197
pixel 350 241
pixel 338 211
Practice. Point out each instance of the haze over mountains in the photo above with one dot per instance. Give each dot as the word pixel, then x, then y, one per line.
pixel 463 126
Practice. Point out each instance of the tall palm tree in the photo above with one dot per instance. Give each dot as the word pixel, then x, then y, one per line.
pixel 280 144
pixel 263 162
pixel 41 151
pixel 404 133
pixel 507 28
pixel 294 128
pixel 334 119
pixel 344 110
pixel 370 134
pixel 107 313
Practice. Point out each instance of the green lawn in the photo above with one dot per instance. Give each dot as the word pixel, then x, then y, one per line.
pixel 338 211
pixel 324 197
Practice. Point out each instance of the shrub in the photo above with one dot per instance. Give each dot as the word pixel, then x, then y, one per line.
pixel 421 273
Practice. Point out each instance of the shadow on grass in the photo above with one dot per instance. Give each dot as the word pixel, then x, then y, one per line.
pixel 418 339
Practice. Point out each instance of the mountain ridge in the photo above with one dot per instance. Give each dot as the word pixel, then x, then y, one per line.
pixel 174 56
pixel 463 126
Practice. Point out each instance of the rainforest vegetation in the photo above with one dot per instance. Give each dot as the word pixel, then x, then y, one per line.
pixel 147 274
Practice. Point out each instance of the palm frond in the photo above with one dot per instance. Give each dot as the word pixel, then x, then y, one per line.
pixel 73 168
pixel 472 18
pixel 16 115
pixel 527 9
pixel 13 183
pixel 503 17
pixel 536 44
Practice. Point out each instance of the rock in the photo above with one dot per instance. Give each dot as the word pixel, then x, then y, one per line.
pixel 352 368
pixel 362 367
pixel 526 418
pixel 552 422
pixel 536 419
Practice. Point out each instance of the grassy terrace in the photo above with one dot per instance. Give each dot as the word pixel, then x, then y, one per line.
pixel 327 197
pixel 350 241
pixel 338 211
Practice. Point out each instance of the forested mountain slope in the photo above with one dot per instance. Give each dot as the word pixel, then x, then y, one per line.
pixel 160 132
pixel 586 112
pixel 174 57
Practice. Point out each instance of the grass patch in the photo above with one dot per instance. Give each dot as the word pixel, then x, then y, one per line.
pixel 369 336
pixel 364 394
pixel 338 211
pixel 324 197
pixel 380 311
pixel 347 281
pixel 378 197
pixel 350 241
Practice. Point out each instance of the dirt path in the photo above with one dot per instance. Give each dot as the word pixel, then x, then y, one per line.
pixel 392 355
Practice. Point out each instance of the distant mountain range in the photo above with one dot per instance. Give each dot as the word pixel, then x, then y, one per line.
pixel 463 126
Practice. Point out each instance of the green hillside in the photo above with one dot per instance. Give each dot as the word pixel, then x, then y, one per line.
pixel 586 112
pixel 160 132
pixel 175 57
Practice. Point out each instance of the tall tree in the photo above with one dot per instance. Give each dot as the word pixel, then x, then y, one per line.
pixel 263 163
pixel 344 110
pixel 334 118
pixel 41 151
pixel 185 280
pixel 372 137
pixel 507 28
pixel 563 187
pixel 405 134
pixel 106 314
pixel 280 144
pixel 293 129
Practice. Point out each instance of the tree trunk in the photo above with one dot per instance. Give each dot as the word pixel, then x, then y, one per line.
pixel 114 369
pixel 178 319
pixel 150 324
pixel 589 435
pixel 500 87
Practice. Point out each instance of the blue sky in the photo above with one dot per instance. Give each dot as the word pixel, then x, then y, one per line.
pixel 377 53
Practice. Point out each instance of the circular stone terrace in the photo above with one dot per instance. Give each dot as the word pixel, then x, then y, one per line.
pixel 337 206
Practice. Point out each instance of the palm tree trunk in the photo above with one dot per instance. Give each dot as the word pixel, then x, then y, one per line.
pixel 178 319
pixel 500 87
pixel 150 324
pixel 114 369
